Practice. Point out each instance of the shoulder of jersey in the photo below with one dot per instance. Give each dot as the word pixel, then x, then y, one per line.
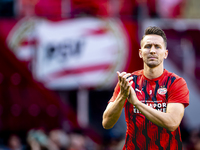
pixel 139 72
pixel 173 74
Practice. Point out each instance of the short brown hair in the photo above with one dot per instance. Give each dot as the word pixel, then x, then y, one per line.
pixel 157 31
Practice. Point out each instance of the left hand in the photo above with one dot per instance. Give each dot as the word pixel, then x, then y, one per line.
pixel 132 98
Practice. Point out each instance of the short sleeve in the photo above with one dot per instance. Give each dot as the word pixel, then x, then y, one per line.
pixel 115 93
pixel 178 92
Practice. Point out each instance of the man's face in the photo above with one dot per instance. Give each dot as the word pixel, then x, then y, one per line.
pixel 153 50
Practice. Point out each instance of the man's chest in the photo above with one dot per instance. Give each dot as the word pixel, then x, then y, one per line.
pixel 153 94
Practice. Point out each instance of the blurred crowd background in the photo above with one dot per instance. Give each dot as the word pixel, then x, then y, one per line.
pixel 58 63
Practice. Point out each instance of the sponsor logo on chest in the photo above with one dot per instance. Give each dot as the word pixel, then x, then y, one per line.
pixel 158 105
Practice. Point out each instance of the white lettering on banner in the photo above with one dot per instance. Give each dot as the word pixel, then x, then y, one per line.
pixel 81 52
pixel 158 105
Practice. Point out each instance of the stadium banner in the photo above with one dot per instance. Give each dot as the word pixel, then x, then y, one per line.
pixel 73 53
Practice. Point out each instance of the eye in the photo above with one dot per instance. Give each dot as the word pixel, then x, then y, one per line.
pixel 147 46
pixel 157 46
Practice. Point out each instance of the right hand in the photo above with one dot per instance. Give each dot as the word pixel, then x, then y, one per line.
pixel 125 82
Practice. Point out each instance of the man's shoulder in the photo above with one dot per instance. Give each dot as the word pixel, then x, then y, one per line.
pixel 175 78
pixel 137 73
pixel 172 74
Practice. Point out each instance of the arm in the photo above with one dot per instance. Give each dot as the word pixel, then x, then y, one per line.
pixel 169 120
pixel 113 112
pixel 114 109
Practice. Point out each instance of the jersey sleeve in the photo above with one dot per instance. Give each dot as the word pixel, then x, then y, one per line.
pixel 115 93
pixel 178 92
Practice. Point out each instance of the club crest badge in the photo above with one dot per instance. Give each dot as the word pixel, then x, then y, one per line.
pixel 162 91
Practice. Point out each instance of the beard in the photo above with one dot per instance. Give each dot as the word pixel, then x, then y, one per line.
pixel 153 64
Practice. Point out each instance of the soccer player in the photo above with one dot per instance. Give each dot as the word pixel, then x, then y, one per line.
pixel 154 99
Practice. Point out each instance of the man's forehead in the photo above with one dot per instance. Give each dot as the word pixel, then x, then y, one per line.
pixel 153 42
pixel 153 39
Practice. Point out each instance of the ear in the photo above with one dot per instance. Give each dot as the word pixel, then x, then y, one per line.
pixel 140 53
pixel 166 54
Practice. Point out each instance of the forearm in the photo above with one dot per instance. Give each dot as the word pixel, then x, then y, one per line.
pixel 113 112
pixel 114 109
pixel 162 119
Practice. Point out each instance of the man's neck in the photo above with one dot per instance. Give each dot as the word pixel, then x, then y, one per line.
pixel 152 73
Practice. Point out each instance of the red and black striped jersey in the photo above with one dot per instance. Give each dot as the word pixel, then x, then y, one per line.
pixel 141 133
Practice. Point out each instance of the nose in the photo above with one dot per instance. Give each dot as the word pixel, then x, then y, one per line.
pixel 152 50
